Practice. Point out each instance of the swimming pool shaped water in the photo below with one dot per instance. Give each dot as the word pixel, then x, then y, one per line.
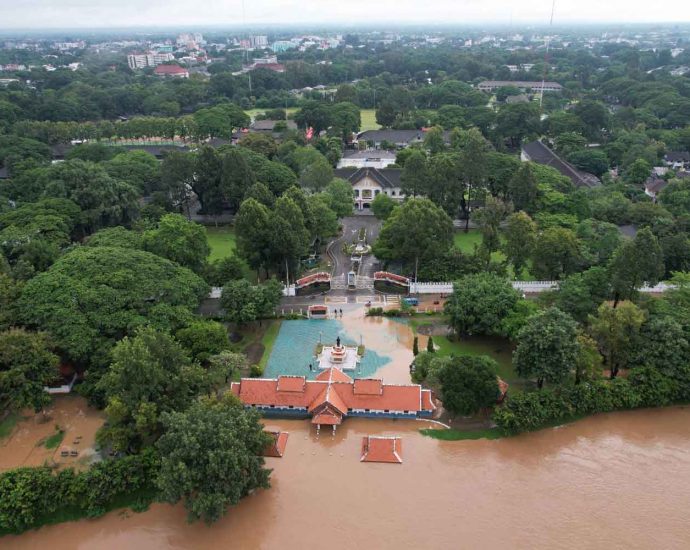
pixel 296 343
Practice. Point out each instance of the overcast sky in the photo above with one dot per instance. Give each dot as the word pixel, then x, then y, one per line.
pixel 26 14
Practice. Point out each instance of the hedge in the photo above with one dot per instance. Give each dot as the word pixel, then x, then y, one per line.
pixel 529 411
pixel 29 497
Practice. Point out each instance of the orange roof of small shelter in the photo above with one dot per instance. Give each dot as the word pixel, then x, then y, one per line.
pixel 277 447
pixel 328 418
pixel 381 449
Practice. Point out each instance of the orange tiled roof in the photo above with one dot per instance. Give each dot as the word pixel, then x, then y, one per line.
pixel 277 446
pixel 291 383
pixel 368 386
pixel 339 394
pixel 381 449
pixel 334 375
pixel 328 418
pixel 427 401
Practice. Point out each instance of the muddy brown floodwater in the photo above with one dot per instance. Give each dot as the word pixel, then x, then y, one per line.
pixel 613 481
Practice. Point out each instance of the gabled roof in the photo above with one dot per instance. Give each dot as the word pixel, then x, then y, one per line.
pixel 538 152
pixel 277 446
pixel 381 449
pixel 385 177
pixel 328 418
pixel 268 125
pixel 677 156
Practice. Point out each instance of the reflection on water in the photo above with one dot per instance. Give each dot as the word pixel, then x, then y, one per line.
pixel 614 481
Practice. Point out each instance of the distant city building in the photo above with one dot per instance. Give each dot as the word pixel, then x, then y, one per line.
pixel 173 71
pixel 259 42
pixel 493 85
pixel 64 46
pixel 151 59
pixel 270 63
pixel 282 46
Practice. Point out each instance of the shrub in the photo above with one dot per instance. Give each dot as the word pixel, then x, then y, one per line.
pixel 645 387
pixel 256 371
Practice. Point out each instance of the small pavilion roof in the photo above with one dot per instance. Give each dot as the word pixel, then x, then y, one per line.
pixel 381 449
pixel 277 447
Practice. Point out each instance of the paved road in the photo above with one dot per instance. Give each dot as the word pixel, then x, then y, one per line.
pixel 351 226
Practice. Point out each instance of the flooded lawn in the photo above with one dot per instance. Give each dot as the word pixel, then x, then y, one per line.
pixel 388 346
pixel 34 440
pixel 613 481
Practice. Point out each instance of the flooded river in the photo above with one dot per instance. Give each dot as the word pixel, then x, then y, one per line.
pixel 614 481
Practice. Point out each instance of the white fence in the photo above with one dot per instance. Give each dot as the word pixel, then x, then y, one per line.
pixel 528 287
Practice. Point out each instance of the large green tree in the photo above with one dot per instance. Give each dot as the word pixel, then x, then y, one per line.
pixel 211 457
pixel 26 365
pixel 556 254
pixel 417 231
pixel 635 263
pixel 479 303
pixel 150 374
pixel 468 384
pixel 520 237
pixel 179 240
pixel 93 296
pixel 616 330
pixel 547 348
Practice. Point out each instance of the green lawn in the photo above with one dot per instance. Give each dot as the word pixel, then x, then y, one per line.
pixel 369 119
pixel 7 425
pixel 54 440
pixel 459 435
pixel 252 113
pixel 222 241
pixel 269 340
pixel 466 241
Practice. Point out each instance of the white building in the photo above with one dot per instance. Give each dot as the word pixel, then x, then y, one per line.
pixel 259 42
pixel 370 158
pixel 367 183
pixel 150 59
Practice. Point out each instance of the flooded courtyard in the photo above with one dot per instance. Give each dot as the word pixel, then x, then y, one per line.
pixel 69 414
pixel 387 342
pixel 618 480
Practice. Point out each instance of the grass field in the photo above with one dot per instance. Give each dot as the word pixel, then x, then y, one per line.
pixel 465 242
pixel 369 119
pixel 460 435
pixel 7 425
pixel 222 241
pixel 253 112
pixel 268 340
